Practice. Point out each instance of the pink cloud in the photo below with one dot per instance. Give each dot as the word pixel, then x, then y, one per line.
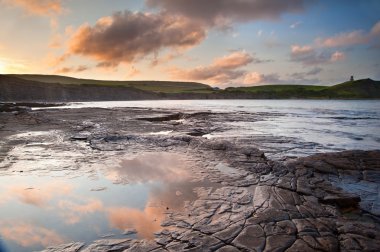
pixel 301 50
pixel 357 37
pixel 222 71
pixel 27 234
pixel 337 56
pixel 309 56
pixel 40 195
pixel 233 60
pixel 344 39
pixel 39 7
pixel 73 212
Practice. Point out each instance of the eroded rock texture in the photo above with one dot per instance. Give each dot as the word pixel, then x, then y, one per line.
pixel 324 202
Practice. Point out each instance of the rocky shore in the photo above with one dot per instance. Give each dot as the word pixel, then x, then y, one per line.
pixel 255 201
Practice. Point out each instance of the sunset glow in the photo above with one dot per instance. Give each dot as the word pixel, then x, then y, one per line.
pixel 221 43
pixel 2 68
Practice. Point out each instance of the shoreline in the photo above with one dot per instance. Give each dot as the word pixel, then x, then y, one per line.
pixel 264 204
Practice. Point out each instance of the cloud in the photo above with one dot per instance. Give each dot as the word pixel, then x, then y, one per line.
pixel 305 75
pixel 375 31
pixel 295 25
pixel 357 37
pixel 234 60
pixel 39 7
pixel 221 12
pixel 55 41
pixel 223 70
pixel 128 36
pixel 28 235
pixel 144 169
pixel 72 212
pixel 254 78
pixel 337 56
pixel 77 69
pixel 53 60
pixel 133 72
pixel 145 222
pixel 40 195
pixel 344 39
pixel 308 56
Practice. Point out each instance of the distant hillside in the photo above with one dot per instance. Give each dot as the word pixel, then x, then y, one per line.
pixel 51 88
pixel 21 90
pixel 154 86
pixel 360 89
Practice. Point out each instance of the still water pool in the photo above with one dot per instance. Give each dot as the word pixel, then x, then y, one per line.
pixel 127 199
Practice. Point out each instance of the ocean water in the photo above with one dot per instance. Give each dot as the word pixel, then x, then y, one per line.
pixel 316 125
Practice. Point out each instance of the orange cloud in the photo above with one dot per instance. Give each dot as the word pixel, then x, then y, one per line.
pixel 145 222
pixel 27 234
pixel 233 60
pixel 53 61
pixel 357 37
pixel 40 195
pixel 126 37
pixel 39 7
pixel 72 212
pixel 344 39
pixel 223 70
pixel 77 69
pixel 252 78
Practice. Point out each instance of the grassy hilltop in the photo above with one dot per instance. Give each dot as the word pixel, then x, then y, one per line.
pixel 153 86
pixel 360 89
pixel 100 89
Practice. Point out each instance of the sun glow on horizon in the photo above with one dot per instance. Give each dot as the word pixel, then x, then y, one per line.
pixel 2 67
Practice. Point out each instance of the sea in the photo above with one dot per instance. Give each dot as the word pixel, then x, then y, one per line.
pixel 317 125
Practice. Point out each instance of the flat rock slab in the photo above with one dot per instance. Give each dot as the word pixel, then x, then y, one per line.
pixel 324 202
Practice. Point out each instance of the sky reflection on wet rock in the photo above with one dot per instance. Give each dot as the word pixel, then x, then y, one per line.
pixel 42 210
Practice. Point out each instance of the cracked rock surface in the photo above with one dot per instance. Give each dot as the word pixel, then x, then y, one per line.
pixel 323 202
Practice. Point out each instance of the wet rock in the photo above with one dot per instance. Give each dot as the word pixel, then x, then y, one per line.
pixel 342 201
pixel 229 233
pixel 269 215
pixel 145 246
pixel 282 227
pixel 164 240
pixel 328 243
pixel 305 227
pixel 228 248
pixel 279 242
pixel 79 137
pixel 251 239
pixel 300 246
pixel 109 245
pixel 70 247
pixel 129 231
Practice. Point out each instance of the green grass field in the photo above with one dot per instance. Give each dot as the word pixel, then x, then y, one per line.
pixel 153 86
pixel 365 88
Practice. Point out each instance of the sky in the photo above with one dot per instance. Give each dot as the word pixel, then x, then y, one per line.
pixel 217 42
